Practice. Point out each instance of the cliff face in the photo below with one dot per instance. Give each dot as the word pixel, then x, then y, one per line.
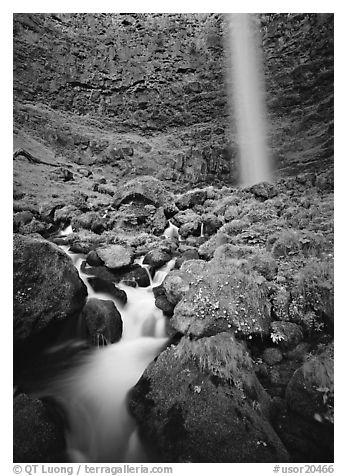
pixel 147 91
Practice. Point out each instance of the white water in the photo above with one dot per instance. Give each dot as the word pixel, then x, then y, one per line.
pixel 94 393
pixel 171 231
pixel 246 87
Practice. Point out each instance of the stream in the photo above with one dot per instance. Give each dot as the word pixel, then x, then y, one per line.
pixel 93 393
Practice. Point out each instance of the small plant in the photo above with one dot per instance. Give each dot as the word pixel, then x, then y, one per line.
pixel 276 337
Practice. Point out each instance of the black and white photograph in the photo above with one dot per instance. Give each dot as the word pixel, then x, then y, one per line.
pixel 173 240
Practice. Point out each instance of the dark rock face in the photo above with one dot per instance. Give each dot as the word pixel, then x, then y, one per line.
pixel 170 76
pixel 38 433
pixel 210 398
pixel 47 287
pixel 103 322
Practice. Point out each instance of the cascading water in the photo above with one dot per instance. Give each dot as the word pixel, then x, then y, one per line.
pixel 246 94
pixel 93 393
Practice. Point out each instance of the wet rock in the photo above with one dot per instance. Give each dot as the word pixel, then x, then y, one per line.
pixel 203 388
pixel 38 432
pixel 137 275
pixel 47 287
pixel 93 259
pixel 272 356
pixel 165 305
pixel 175 285
pixel 100 285
pixel 286 334
pixel 156 258
pixel 99 271
pixel 103 322
pixel 310 392
pixel 115 256
pixel 211 223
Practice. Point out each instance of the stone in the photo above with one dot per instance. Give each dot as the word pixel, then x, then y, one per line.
pixel 272 356
pixel 100 285
pixel 38 432
pixel 137 275
pixel 145 190
pixel 89 221
pixel 191 198
pixel 22 218
pixel 175 285
pixel 47 287
pixel 103 322
pixel 264 190
pixel 165 305
pixel 222 297
pixel 93 259
pixel 211 223
pixel 115 256
pixel 156 258
pixel 202 388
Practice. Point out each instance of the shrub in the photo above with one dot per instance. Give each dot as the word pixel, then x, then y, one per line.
pixel 315 284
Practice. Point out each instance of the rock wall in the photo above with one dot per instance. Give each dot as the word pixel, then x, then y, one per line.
pixel 163 76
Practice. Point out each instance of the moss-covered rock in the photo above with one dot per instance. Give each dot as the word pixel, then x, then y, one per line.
pixel 47 287
pixel 201 402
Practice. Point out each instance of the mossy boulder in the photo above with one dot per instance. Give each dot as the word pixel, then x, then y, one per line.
pixel 201 402
pixel 222 297
pixel 47 287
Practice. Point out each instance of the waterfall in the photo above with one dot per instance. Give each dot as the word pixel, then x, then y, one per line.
pixel 246 94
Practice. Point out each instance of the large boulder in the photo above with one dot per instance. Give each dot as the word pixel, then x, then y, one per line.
pixel 47 287
pixel 145 190
pixel 103 322
pixel 38 433
pixel 222 297
pixel 201 402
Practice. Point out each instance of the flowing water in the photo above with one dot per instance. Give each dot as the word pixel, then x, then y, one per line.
pixel 246 93
pixel 94 393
